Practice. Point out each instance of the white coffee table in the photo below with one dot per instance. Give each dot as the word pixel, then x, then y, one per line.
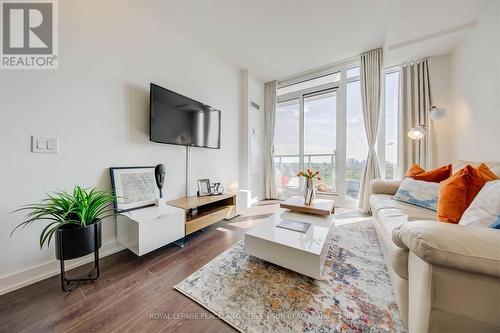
pixel 304 253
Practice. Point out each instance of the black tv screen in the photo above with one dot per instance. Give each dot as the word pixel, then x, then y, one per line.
pixel 179 120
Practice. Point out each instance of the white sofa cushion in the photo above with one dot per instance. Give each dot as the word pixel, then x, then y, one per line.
pixel 384 206
pixel 485 209
pixel 418 193
pixel 390 214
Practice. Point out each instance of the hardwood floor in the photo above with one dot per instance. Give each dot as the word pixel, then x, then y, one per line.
pixel 133 294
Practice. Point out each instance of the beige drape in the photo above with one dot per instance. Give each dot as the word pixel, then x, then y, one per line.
pixel 370 79
pixel 270 115
pixel 416 95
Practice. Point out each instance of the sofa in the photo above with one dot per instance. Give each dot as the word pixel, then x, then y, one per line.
pixel 446 277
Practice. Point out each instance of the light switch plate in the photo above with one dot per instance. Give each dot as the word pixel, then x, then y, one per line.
pixel 44 144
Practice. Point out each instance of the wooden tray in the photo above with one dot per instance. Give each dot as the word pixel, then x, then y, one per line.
pixel 318 206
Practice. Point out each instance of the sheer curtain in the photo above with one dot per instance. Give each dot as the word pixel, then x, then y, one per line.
pixel 370 79
pixel 416 105
pixel 270 115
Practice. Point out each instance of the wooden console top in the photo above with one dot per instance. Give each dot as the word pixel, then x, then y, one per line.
pixel 188 203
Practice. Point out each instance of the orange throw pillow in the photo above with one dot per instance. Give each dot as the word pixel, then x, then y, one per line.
pixel 486 173
pixel 436 176
pixel 457 192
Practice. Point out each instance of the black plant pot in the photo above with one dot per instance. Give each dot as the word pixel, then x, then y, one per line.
pixel 74 241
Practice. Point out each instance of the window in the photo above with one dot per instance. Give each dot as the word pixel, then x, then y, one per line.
pixel 320 124
pixel 352 72
pixel 286 144
pixel 389 130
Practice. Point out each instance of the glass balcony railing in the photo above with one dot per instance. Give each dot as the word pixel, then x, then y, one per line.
pixel 287 167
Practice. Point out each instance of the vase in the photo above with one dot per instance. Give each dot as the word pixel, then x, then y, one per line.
pixel 309 192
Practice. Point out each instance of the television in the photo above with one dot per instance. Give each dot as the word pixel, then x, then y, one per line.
pixel 179 120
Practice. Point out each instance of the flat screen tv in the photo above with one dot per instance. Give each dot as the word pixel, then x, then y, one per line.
pixel 179 120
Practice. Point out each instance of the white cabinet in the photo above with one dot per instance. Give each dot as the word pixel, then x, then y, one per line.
pixel 147 229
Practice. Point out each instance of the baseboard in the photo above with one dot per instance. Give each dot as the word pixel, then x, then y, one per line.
pixel 40 272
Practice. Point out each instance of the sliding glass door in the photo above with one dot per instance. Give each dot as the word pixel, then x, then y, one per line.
pixel 287 145
pixel 320 137
pixel 320 125
pixel 305 136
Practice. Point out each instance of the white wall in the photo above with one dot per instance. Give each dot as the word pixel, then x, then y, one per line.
pixel 476 90
pixel 252 142
pixel 441 94
pixel 96 103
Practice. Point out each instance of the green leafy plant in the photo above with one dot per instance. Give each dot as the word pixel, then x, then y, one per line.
pixel 81 207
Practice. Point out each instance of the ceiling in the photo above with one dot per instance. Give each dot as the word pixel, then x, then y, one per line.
pixel 275 39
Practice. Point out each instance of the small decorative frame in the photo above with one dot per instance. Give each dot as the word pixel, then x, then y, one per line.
pixel 134 187
pixel 203 187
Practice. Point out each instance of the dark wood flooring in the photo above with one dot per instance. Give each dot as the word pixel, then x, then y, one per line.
pixel 130 290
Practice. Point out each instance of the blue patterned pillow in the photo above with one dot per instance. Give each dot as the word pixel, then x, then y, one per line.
pixel 418 193
pixel 496 224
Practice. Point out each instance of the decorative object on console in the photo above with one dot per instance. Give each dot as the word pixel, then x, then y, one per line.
pixel 134 187
pixel 310 192
pixel 160 171
pixel 75 220
pixel 203 187
pixel 436 175
pixel 216 189
pixel 419 193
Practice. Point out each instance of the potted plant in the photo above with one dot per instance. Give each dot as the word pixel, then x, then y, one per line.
pixel 310 192
pixel 75 220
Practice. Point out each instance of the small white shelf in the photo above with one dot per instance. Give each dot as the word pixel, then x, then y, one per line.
pixel 144 230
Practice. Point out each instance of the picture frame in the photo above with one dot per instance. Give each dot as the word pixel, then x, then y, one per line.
pixel 203 187
pixel 134 187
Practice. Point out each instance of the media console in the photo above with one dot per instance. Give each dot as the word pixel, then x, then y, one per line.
pixel 200 212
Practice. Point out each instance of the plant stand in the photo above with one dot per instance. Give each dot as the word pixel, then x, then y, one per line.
pixel 69 284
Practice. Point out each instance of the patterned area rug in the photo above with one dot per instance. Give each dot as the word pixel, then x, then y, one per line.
pixel 255 296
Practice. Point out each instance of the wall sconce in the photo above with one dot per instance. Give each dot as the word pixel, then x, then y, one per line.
pixel 418 132
pixel 437 113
